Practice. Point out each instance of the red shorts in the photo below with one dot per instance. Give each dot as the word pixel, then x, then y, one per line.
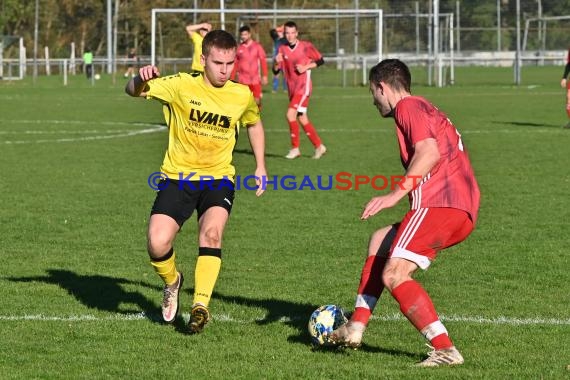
pixel 299 102
pixel 424 232
pixel 256 90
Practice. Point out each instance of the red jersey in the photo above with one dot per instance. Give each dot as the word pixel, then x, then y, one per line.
pixel 302 53
pixel 451 182
pixel 249 59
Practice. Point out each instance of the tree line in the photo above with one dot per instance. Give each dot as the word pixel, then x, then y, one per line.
pixel 84 22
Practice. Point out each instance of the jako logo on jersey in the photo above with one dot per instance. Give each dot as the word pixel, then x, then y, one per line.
pixel 195 102
pixel 210 118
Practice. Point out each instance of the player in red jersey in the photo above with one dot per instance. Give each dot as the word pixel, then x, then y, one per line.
pixel 566 84
pixel 443 212
pixel 250 58
pixel 296 59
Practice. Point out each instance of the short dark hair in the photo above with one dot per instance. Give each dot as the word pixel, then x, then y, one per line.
pixel 392 72
pixel 220 39
pixel 290 24
pixel 245 28
pixel 273 34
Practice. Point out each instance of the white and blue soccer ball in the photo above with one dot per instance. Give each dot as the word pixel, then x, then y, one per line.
pixel 324 321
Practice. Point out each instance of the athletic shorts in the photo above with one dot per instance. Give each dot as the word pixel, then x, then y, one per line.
pixel 256 90
pixel 424 232
pixel 179 199
pixel 299 102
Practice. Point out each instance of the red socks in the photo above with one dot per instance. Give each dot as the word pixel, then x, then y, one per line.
pixel 369 289
pixel 294 132
pixel 309 130
pixel 312 134
pixel 417 306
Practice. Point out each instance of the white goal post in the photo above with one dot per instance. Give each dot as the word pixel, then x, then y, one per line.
pixel 542 23
pixel 329 13
pixel 16 67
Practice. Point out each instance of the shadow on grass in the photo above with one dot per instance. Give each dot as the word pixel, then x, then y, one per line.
pixel 528 124
pixel 250 153
pixel 107 294
pixel 99 292
pixel 296 315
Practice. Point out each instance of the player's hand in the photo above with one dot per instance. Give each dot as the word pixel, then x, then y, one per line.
pixel 300 68
pixel 264 81
pixel 260 181
pixel 149 72
pixel 207 26
pixel 563 83
pixel 378 204
pixel 279 58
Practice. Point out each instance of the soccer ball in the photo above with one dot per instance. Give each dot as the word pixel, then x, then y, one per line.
pixel 324 321
pixel 97 76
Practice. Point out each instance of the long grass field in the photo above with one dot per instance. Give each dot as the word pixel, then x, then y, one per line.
pixel 79 299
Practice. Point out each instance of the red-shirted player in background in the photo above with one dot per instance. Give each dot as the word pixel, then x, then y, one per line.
pixel 250 57
pixel 565 84
pixel 296 59
pixel 444 206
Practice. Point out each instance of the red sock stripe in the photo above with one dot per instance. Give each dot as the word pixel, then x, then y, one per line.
pixel 312 134
pixel 294 132
pixel 371 276
pixel 417 306
pixel 370 285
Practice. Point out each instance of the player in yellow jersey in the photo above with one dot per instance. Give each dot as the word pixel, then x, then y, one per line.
pixel 204 115
pixel 196 32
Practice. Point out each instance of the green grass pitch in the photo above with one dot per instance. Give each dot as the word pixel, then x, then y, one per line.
pixel 75 278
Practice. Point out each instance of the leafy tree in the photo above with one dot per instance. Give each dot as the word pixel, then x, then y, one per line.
pixel 84 22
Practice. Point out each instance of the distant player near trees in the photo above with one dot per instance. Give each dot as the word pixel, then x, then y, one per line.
pixel 197 32
pixel 278 40
pixel 564 83
pixel 131 62
pixel 296 59
pixel 88 63
pixel 250 64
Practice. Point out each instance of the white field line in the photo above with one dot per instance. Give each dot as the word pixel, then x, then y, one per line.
pixel 93 134
pixel 225 318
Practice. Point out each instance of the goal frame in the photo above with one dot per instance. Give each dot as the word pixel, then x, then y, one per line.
pixel 378 13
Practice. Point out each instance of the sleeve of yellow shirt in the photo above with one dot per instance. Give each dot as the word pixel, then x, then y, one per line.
pixel 251 114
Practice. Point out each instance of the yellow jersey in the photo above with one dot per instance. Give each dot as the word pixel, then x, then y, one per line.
pixel 203 124
pixel 197 42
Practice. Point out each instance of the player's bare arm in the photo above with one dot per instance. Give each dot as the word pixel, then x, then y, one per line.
pixel 563 82
pixel 137 85
pixel 263 65
pixel 191 28
pixel 257 141
pixel 426 156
